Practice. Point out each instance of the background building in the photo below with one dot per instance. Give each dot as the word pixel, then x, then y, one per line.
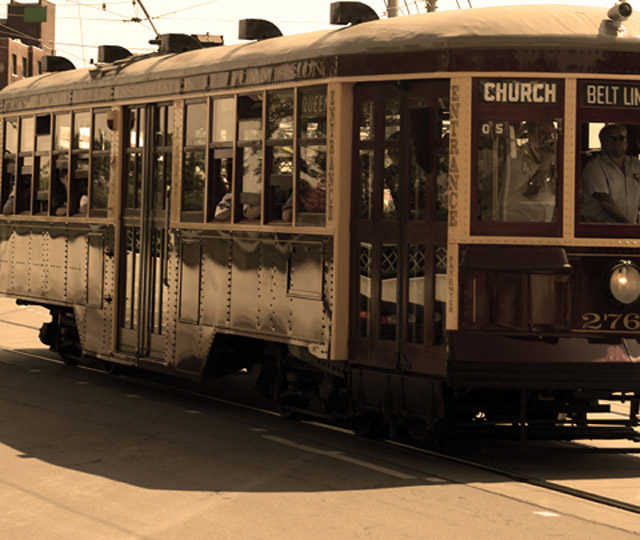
pixel 26 36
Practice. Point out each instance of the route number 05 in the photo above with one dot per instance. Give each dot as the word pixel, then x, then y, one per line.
pixel 611 321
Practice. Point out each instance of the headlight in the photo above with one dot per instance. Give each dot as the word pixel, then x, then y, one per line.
pixel 623 282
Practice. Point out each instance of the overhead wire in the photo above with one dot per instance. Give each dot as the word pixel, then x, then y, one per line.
pixel 81 33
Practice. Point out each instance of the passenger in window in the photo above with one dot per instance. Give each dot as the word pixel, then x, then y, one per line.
pixel 60 191
pixel 611 181
pixel 10 204
pixel 287 208
pixel 223 208
pixel 529 190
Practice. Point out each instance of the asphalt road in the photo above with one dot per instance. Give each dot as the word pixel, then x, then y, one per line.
pixel 87 456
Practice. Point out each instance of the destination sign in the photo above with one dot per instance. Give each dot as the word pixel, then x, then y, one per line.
pixel 608 94
pixel 519 91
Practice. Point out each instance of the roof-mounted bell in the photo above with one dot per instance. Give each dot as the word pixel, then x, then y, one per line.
pixel 257 29
pixel 108 54
pixel 351 13
pixel 52 64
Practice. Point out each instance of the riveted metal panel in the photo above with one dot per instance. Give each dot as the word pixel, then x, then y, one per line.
pixel 190 250
pixel 6 256
pixel 216 281
pixel 277 319
pixel 21 260
pixel 245 284
pixel 57 264
pixel 77 267
pixel 38 246
pixel 95 270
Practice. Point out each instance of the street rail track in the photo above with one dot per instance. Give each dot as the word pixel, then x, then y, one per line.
pixel 402 446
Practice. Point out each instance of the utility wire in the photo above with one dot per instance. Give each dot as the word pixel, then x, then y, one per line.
pixel 186 9
pixel 81 34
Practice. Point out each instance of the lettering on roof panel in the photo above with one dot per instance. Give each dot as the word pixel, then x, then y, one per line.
pixel 540 92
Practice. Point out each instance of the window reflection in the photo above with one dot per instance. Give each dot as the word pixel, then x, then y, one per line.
pixel 517 171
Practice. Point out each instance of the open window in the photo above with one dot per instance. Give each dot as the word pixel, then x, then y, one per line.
pixel 249 160
pixel 607 164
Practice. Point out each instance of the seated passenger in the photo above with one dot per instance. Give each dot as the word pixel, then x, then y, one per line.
pixel 287 208
pixel 60 193
pixel 9 205
pixel 223 208
pixel 611 181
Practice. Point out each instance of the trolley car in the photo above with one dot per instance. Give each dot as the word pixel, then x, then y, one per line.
pixel 385 218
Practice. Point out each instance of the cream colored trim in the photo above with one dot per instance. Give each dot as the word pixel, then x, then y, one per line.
pixel 569 156
pixel 459 198
pixel 339 150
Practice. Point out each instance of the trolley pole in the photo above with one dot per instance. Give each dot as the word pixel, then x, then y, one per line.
pixel 431 5
pixel 392 8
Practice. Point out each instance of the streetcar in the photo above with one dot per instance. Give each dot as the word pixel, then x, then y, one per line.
pixel 386 220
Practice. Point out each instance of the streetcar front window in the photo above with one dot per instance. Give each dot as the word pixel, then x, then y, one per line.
pixel 609 187
pixel 517 171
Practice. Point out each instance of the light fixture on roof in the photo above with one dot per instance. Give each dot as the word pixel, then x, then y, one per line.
pixel 175 43
pixel 620 12
pixel 351 13
pixel 111 53
pixel 257 29
pixel 52 64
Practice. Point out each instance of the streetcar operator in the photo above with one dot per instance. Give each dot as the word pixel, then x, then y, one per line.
pixel 611 181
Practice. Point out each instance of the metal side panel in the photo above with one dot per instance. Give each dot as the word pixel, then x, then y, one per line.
pixel 39 257
pixel 274 284
pixel 77 267
pixel 245 285
pixel 216 282
pixel 6 257
pixel 57 270
pixel 20 267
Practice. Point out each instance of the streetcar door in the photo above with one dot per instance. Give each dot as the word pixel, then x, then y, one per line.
pixel 400 225
pixel 143 283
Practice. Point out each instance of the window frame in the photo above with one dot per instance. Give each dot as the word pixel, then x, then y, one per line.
pixel 586 114
pixel 501 112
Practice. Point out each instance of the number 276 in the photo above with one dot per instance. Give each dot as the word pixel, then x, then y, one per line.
pixel 611 321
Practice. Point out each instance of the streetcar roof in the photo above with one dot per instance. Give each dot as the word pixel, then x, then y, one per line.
pixel 517 27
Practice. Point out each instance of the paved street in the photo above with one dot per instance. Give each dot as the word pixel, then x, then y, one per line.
pixel 87 456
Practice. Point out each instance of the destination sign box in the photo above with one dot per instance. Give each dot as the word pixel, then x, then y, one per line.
pixel 518 91
pixel 610 94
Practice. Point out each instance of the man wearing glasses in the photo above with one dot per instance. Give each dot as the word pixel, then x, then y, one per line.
pixel 611 181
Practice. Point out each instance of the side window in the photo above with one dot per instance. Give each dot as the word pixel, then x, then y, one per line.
pixel 518 146
pixel 312 148
pixel 162 152
pixel 42 169
pixel 78 184
pixel 608 195
pixel 134 146
pixel 249 161
pixel 9 165
pixel 25 165
pixel 60 177
pixel 223 123
pixel 279 190
pixel 193 178
pixel 100 164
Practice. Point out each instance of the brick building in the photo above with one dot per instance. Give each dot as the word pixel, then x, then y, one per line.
pixel 26 36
